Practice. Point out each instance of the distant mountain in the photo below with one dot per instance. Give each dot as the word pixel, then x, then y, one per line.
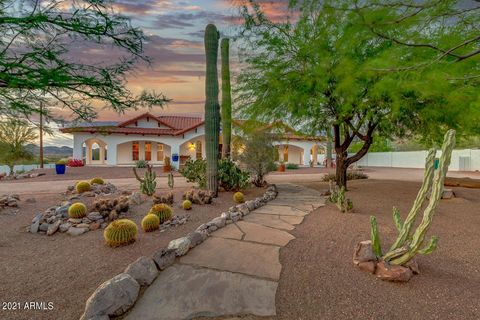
pixel 63 151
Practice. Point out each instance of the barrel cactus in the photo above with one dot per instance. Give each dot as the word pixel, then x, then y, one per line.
pixel 238 197
pixel 77 210
pixel 97 180
pixel 162 211
pixel 83 186
pixel 187 205
pixel 150 223
pixel 120 232
pixel 212 108
pixel 410 242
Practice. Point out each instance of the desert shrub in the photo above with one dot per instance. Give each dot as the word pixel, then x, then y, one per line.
pixel 120 232
pixel 150 223
pixel 195 171
pixel 291 166
pixel 351 175
pixel 97 181
pixel 163 198
pixel 162 211
pixel 187 205
pixel 111 208
pixel 77 210
pixel 75 163
pixel 231 177
pixel 238 197
pixel 141 164
pixel 83 186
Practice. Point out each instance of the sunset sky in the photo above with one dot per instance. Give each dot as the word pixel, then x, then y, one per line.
pixel 175 31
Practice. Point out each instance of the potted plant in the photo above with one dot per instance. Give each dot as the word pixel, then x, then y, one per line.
pixel 60 166
pixel 167 166
pixel 281 166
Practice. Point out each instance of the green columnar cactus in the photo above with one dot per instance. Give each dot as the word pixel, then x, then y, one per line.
pixel 212 108
pixel 226 98
pixel 407 245
pixel 171 182
pixel 148 183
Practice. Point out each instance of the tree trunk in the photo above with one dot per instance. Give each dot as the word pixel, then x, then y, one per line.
pixel 328 161
pixel 11 166
pixel 341 168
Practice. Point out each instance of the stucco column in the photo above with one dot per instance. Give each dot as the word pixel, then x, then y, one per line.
pixel 315 155
pixel 306 156
pixel 112 154
pixel 77 147
pixel 175 150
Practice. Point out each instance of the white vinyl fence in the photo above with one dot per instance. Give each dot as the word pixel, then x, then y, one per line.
pixel 26 167
pixel 462 160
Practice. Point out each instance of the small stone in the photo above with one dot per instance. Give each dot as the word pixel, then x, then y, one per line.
pixel 104 225
pixel 202 227
pixel 94 216
pixel 413 265
pixel 212 228
pixel 180 245
pixel 30 200
pixel 88 194
pixel 65 226
pixel 164 258
pixel 250 205
pixel 219 222
pixel 53 227
pixel 235 216
pixel 94 226
pixel 36 223
pixel 393 273
pixel 74 197
pixel 196 238
pixel 135 198
pixel 363 252
pixel 448 194
pixel 43 227
pixel 70 188
pixel 243 209
pixel 83 225
pixel 225 215
pixel 76 231
pixel 368 266
pixel 75 221
pixel 143 270
pixel 112 298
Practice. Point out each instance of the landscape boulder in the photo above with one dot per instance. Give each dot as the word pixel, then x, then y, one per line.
pixel 143 270
pixel 112 298
pixel 164 258
pixel 392 273
pixel 363 252
pixel 180 245
pixel 196 237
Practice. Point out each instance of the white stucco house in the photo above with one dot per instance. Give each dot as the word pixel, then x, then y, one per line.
pixel 154 137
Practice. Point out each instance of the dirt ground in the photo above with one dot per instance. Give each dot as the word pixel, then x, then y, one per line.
pixel 65 270
pixel 319 280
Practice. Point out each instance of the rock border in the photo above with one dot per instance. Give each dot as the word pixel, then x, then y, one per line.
pixel 117 295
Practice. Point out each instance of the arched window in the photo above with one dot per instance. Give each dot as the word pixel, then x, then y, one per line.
pixel 95 152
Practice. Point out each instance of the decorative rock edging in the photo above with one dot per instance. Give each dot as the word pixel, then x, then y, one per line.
pixel 116 296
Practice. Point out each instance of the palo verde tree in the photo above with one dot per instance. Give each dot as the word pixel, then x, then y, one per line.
pixel 317 71
pixel 41 45
pixel 14 135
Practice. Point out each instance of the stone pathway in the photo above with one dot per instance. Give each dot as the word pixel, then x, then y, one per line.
pixel 236 270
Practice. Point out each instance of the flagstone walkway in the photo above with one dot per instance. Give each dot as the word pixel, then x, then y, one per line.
pixel 234 272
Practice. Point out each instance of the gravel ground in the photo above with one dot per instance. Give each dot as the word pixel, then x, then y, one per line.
pixel 66 270
pixel 319 280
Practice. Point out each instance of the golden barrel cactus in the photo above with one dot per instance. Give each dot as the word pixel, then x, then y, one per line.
pixel 187 205
pixel 97 180
pixel 77 210
pixel 162 211
pixel 120 232
pixel 83 186
pixel 150 223
pixel 238 197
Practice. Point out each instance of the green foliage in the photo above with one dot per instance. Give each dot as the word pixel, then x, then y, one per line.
pixel 258 156
pixel 351 175
pixel 120 232
pixel 380 144
pixel 226 99
pixel 97 180
pixel 212 108
pixel 150 223
pixel 410 243
pixel 238 197
pixel 195 171
pixel 291 166
pixel 231 177
pixel 14 135
pixel 83 186
pixel 141 164
pixel 376 246
pixel 62 161
pixel 77 210
pixel 187 205
pixel 37 65
pixel 162 211
pixel 148 183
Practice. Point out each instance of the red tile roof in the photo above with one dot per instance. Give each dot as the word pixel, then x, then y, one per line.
pixel 177 125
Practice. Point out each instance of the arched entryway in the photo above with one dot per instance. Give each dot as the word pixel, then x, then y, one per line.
pixel 95 152
pixel 152 151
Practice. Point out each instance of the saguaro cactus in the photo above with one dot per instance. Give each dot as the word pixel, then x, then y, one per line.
pixel 407 245
pixel 226 98
pixel 148 183
pixel 212 108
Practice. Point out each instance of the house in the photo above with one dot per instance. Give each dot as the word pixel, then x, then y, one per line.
pixel 153 137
